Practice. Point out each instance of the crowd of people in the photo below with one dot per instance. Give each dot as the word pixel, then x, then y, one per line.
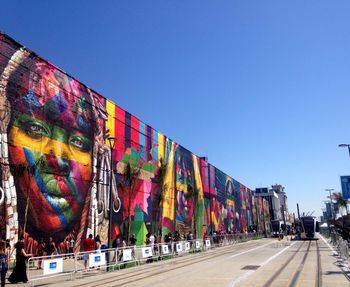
pixel 90 244
pixel 18 256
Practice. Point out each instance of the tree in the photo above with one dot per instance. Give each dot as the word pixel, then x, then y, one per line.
pixel 265 218
pixel 341 201
pixel 26 171
pixel 130 177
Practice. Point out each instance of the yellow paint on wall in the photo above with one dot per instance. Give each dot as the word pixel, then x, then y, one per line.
pixel 110 123
pixel 48 145
pixel 230 202
pixel 169 200
pixel 181 186
pixel 197 177
pixel 215 220
pixel 160 146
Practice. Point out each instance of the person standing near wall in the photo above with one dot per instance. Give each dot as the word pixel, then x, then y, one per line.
pixel 3 262
pixel 41 251
pixel 133 242
pixel 71 247
pixel 51 247
pixel 97 243
pixel 19 273
pixel 89 245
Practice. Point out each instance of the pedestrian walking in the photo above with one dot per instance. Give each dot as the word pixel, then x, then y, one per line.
pixel 133 244
pixel 280 234
pixel 97 243
pixel 117 242
pixel 89 245
pixel 51 247
pixel 66 245
pixel 151 241
pixel 3 262
pixel 71 248
pixel 148 242
pixel 19 273
pixel 124 245
pixel 40 252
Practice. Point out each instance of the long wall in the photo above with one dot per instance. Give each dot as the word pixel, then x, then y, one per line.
pixel 55 154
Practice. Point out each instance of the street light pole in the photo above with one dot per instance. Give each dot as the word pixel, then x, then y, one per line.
pixel 208 168
pixel 331 202
pixel 345 145
pixel 209 182
pixel 111 142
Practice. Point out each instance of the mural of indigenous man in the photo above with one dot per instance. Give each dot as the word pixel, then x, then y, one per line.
pixel 50 118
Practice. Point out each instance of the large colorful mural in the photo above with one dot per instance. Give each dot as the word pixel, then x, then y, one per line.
pixel 66 152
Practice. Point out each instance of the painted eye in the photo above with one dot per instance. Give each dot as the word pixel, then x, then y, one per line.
pixel 79 142
pixel 35 130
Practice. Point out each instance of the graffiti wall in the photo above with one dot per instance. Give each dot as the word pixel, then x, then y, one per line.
pixel 71 158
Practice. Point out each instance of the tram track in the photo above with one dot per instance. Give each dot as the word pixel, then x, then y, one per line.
pixel 300 268
pixel 295 277
pixel 279 271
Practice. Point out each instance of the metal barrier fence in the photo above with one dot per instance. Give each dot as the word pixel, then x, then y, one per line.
pixel 76 264
pixel 341 245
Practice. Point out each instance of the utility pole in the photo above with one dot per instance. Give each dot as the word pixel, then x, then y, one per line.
pixel 209 182
pixel 331 202
pixel 111 142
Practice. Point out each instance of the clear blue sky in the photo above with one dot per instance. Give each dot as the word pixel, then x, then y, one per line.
pixel 260 87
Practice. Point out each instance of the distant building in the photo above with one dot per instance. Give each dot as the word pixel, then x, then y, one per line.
pixel 277 199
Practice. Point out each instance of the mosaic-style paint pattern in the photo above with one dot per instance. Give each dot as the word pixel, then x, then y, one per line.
pixel 56 159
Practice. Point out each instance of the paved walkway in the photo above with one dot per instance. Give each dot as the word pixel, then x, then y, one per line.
pixel 246 264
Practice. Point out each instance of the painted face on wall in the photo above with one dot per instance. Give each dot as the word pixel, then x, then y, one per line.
pixel 184 189
pixel 185 207
pixel 51 132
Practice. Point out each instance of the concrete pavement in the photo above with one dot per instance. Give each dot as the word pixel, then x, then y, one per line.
pixel 253 263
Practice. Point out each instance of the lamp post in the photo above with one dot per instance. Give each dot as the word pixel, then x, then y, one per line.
pixel 210 216
pixel 111 142
pixel 345 145
pixel 331 202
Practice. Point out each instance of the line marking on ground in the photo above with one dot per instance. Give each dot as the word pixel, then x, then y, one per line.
pixel 250 272
pixel 250 250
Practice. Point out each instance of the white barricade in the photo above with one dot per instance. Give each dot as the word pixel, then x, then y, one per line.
pixel 165 249
pixel 42 267
pixel 178 247
pixel 207 243
pixel 198 245
pixel 69 264
pixel 53 266
pixel 187 246
pixel 97 260
pixel 147 252
pixel 127 255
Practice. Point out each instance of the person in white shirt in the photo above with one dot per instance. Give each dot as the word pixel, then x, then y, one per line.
pixel 151 239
